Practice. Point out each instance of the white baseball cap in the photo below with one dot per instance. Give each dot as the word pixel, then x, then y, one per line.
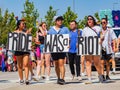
pixel 57 18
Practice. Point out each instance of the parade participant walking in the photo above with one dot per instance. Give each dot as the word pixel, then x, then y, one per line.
pixel 107 36
pixel 92 29
pixel 22 57
pixel 73 57
pixel 59 57
pixel 45 57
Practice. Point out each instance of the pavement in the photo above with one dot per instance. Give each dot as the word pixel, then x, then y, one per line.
pixel 10 81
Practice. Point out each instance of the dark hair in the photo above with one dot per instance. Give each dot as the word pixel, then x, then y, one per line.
pixel 59 18
pixel 18 23
pixel 94 21
pixel 105 19
pixel 74 21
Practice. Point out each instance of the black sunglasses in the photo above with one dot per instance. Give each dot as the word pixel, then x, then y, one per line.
pixel 103 22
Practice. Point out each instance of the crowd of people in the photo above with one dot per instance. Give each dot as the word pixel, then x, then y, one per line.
pixel 42 62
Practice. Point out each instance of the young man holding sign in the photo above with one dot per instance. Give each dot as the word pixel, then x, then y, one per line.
pixel 59 57
pixel 73 57
pixel 108 36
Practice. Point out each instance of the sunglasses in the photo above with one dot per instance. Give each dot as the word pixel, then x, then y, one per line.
pixel 103 22
pixel 89 19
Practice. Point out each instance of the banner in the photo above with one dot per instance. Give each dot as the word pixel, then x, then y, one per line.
pixel 56 43
pixel 19 41
pixel 89 45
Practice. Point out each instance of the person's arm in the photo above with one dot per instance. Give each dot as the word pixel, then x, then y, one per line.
pixel 37 38
pixel 115 43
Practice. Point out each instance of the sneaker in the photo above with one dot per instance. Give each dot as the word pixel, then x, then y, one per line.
pixel 36 78
pixel 88 82
pixel 31 77
pixel 107 77
pixel 103 77
pixel 61 82
pixel 82 74
pixel 79 78
pixel 113 73
pixel 73 77
pixel 27 82
pixel 101 80
pixel 21 82
pixel 48 78
pixel 43 77
pixel 58 80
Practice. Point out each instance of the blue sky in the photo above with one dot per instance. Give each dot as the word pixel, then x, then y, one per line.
pixel 82 7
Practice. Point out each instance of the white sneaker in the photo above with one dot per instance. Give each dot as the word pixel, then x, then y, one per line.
pixel 36 78
pixel 79 78
pixel 82 74
pixel 48 78
pixel 73 77
pixel 88 82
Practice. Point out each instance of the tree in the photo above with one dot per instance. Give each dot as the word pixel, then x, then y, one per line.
pixel 49 16
pixel 82 23
pixel 96 15
pixel 30 14
pixel 69 16
pixel 7 24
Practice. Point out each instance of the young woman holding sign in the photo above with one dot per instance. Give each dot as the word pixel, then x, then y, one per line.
pixel 45 57
pixel 92 29
pixel 22 57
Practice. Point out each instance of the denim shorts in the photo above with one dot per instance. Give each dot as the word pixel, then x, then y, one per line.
pixel 41 48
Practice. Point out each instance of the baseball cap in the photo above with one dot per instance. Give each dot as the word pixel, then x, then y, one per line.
pixel 57 18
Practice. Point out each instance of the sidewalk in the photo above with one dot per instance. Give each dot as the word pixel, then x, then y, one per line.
pixel 9 81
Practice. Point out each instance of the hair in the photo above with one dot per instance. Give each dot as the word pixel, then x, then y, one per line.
pixel 18 23
pixel 105 19
pixel 94 21
pixel 74 21
pixel 42 23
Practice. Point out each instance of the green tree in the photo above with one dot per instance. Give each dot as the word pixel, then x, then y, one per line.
pixel 7 24
pixel 96 15
pixel 69 16
pixel 30 14
pixel 49 16
pixel 82 23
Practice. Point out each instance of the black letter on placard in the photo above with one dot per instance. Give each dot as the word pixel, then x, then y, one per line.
pixel 80 42
pixel 90 38
pixel 15 41
pixel 28 41
pixel 23 36
pixel 65 41
pixel 10 35
pixel 55 44
pixel 97 45
pixel 86 44
pixel 20 42
pixel 48 43
pixel 60 43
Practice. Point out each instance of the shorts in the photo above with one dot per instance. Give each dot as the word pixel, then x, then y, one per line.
pixel 57 56
pixel 106 57
pixel 19 53
pixel 42 48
